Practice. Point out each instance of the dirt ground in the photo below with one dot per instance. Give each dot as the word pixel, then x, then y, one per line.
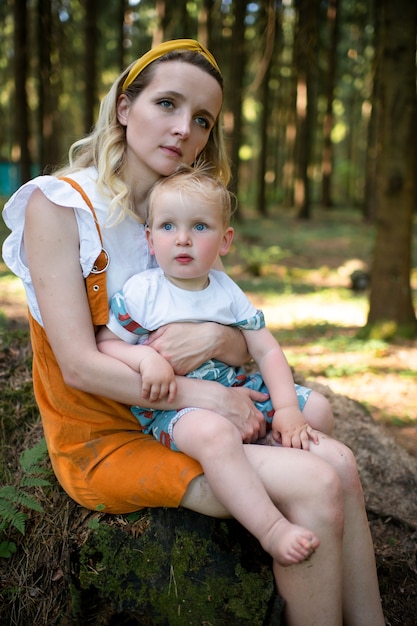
pixel 381 388
pixel 382 379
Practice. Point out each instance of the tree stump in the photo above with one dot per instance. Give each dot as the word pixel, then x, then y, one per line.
pixel 171 567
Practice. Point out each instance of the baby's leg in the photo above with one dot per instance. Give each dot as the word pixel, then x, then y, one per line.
pixel 216 444
pixel 318 413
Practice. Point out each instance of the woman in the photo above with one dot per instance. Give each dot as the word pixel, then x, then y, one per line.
pixel 162 111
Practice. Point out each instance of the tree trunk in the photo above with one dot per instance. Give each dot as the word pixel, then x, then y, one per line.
pixel 306 50
pixel 370 201
pixel 327 166
pixel 121 11
pixel 174 567
pixel 20 76
pixel 90 64
pixel 265 122
pixel 49 153
pixel 391 298
pixel 237 67
pixel 174 20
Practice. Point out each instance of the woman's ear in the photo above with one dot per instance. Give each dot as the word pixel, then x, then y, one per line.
pixel 122 109
pixel 227 241
pixel 149 240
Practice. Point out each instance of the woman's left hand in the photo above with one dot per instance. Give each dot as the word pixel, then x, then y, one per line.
pixel 187 345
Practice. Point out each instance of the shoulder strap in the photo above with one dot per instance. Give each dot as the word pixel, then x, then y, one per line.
pixel 86 199
pixel 95 282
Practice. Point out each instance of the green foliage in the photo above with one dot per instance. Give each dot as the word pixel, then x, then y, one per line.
pixel 18 408
pixel 387 330
pixel 258 258
pixel 14 498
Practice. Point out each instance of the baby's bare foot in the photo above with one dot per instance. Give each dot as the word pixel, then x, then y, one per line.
pixel 289 544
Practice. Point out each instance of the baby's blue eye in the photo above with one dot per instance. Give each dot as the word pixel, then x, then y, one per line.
pixel 167 226
pixel 200 227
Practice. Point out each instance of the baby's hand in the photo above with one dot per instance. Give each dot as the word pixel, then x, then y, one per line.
pixel 158 378
pixel 291 430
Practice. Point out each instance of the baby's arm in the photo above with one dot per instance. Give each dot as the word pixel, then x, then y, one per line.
pixel 158 378
pixel 288 426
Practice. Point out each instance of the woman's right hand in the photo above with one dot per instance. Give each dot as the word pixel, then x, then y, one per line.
pixel 237 405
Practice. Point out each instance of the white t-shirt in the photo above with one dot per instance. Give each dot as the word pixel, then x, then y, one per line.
pixel 150 300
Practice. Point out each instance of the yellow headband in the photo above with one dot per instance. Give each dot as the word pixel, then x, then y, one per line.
pixel 164 48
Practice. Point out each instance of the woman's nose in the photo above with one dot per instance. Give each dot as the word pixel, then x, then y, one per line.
pixel 182 126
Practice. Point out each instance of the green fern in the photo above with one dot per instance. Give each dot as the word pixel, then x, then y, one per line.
pixel 10 515
pixel 29 459
pixel 34 481
pixel 15 498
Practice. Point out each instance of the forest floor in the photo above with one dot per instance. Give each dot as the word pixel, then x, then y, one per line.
pixel 380 375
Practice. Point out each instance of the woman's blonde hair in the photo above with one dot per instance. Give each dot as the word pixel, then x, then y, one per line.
pixel 105 146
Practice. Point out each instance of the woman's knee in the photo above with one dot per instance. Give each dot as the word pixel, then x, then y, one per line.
pixel 341 458
pixel 326 498
pixel 318 413
pixel 344 462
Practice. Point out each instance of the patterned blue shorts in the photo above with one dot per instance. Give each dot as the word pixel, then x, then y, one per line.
pixel 160 423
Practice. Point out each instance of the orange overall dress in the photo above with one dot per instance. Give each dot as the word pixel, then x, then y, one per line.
pixel 98 451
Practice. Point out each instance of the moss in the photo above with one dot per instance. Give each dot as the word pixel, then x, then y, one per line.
pixel 173 575
pixel 114 564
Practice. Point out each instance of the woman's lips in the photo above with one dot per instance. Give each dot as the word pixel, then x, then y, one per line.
pixel 172 150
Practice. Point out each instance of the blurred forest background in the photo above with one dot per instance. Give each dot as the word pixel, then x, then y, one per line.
pixel 320 114
pixel 320 105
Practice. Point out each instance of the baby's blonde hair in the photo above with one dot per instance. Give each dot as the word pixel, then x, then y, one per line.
pixel 197 181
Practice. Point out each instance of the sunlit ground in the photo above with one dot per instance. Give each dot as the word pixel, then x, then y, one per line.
pixel 12 298
pixel 319 339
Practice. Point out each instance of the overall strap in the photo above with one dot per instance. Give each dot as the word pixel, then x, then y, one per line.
pixel 95 282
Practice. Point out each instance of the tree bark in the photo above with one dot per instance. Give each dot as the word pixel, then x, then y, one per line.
pixel 237 67
pixel 327 166
pixel 49 84
pixel 306 49
pixel 265 121
pixel 391 297
pixel 90 64
pixel 174 567
pixel 370 201
pixel 20 76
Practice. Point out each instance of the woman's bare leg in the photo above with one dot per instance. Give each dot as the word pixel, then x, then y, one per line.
pixel 308 492
pixel 362 603
pixel 362 599
pixel 216 444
